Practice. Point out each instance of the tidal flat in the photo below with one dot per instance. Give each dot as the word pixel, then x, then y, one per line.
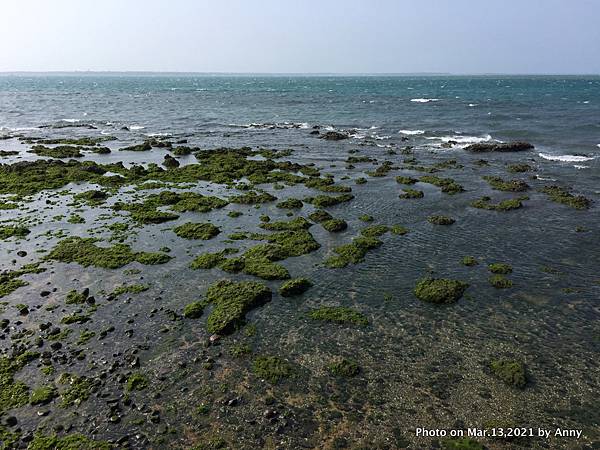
pixel 183 291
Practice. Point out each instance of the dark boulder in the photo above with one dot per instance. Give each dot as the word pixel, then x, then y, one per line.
pixel 516 146
pixel 334 136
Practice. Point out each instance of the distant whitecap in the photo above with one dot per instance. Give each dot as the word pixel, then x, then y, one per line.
pixel 565 158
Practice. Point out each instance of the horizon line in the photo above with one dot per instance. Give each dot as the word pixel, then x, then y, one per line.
pixel 217 73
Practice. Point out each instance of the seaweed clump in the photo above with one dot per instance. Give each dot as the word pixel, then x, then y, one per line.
pixel 193 310
pixel 447 185
pixel 231 303
pixel 202 231
pixel 290 203
pixel 504 205
pixel 13 231
pixel 272 368
pixel 500 268
pixel 561 195
pixel 500 282
pixel 499 184
pixel 294 287
pixel 440 290
pixel 441 220
pixel 411 193
pixel 10 281
pixel 511 372
pixel 13 394
pixel 323 201
pixel 70 442
pixel 63 151
pixel 339 315
pixel 343 367
pixel 84 252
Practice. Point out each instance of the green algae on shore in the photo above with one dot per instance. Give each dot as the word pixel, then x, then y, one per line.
pixel 469 261
pixel 411 193
pixel 296 286
pixel 343 367
pixel 231 302
pixel 69 442
pixel 84 252
pixel 323 201
pixel 441 220
pixel 11 281
pixel 504 205
pixel 440 290
pixel 352 253
pixel 7 232
pixel 511 372
pixel 500 268
pixel 500 282
pixel 271 368
pixel 63 151
pixel 203 231
pixel 447 185
pixel 339 315
pixel 561 195
pixel 500 184
pixel 193 310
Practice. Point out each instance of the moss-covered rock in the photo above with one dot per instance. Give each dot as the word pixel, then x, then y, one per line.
pixel 272 368
pixel 500 282
pixel 511 372
pixel 338 314
pixel 501 268
pixel 290 203
pixel 294 287
pixel 193 310
pixel 504 205
pixel 323 201
pixel 84 252
pixel 202 231
pixel 334 225
pixel 299 223
pixel 499 184
pixel 406 180
pixel 399 230
pixel 42 395
pixel 441 220
pixel 561 195
pixel 70 442
pixel 352 253
pixel 519 168
pixel 440 290
pixel 7 232
pixel 231 303
pixel 136 382
pixel 366 218
pixel 447 185
pixel 411 194
pixel 343 367
pixel 469 261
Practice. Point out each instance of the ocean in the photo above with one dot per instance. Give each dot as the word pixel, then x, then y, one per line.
pixel 418 364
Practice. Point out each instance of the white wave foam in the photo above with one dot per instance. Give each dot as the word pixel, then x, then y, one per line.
pixel 411 132
pixel 158 134
pixel 577 166
pixel 565 158
pixel 70 120
pixel 424 100
pixel 272 125
pixel 381 138
pixel 136 127
pixel 463 141
pixel 472 105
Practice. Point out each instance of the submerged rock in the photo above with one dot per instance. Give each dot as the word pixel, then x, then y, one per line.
pixel 515 146
pixel 334 136
pixel 440 290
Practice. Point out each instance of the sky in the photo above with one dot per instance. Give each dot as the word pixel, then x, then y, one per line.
pixel 302 36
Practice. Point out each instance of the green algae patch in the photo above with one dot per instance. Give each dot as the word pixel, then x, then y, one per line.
pixel 10 281
pixel 272 368
pixel 366 218
pixel 320 215
pixel 299 223
pixel 75 218
pixel 78 390
pixel 84 252
pixel 504 205
pixel 519 168
pixel 352 253
pixel 406 180
pixel 193 310
pixel 290 203
pixel 294 287
pixel 334 225
pixel 211 260
pixel 232 301
pixel 440 290
pixel 461 444
pixel 441 220
pixel 339 315
pixel 8 232
pixel 399 230
pixel 374 231
pixel 129 289
pixel 411 194
pixel 13 393
pixel 500 184
pixel 511 372
pixel 42 395
pixel 93 197
pixel 447 185
pixel 253 198
pixel 77 298
pixel 500 282
pixel 136 382
pixel 203 231
pixel 469 261
pixel 62 151
pixel 70 442
pixel 500 268
pixel 561 195
pixel 343 367
pixel 323 201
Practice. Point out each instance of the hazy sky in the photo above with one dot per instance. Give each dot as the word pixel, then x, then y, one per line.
pixel 348 36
